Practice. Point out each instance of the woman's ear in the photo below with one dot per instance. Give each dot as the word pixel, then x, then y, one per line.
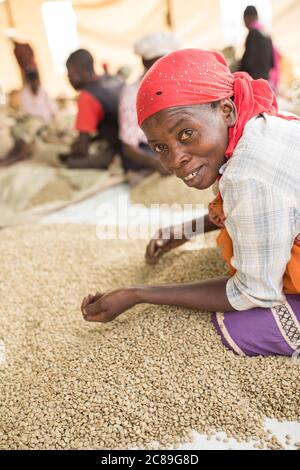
pixel 229 111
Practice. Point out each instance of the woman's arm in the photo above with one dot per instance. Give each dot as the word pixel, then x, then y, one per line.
pixel 209 295
pixel 178 235
pixel 208 225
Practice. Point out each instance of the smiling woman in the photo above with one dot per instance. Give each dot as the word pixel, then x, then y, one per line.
pixel 191 141
pixel 207 124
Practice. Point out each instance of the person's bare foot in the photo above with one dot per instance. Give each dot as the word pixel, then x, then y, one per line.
pixel 96 162
pixel 20 151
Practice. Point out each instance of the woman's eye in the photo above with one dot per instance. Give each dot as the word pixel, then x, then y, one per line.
pixel 159 148
pixel 186 134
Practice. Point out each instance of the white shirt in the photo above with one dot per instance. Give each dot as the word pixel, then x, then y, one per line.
pixel 129 131
pixel 39 105
pixel 260 188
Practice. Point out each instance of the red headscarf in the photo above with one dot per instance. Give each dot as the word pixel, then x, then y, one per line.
pixel 194 76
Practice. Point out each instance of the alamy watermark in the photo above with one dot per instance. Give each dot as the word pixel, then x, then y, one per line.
pixel 123 221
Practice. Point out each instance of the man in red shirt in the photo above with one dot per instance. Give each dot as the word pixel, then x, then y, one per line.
pixel 97 116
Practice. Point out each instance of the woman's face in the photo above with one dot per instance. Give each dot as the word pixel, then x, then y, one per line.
pixel 191 140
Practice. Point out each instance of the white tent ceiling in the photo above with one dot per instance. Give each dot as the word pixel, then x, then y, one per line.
pixel 108 28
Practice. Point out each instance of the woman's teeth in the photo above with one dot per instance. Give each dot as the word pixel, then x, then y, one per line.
pixel 191 175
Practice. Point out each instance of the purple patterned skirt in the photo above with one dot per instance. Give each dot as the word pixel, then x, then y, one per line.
pixel 262 331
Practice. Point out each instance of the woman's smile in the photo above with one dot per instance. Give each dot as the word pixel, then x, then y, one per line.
pixel 194 177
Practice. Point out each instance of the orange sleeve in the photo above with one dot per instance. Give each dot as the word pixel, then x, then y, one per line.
pixel 90 113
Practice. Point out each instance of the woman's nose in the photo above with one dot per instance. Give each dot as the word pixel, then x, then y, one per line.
pixel 178 158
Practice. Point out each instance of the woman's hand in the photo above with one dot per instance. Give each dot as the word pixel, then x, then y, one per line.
pixel 158 245
pixel 106 307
